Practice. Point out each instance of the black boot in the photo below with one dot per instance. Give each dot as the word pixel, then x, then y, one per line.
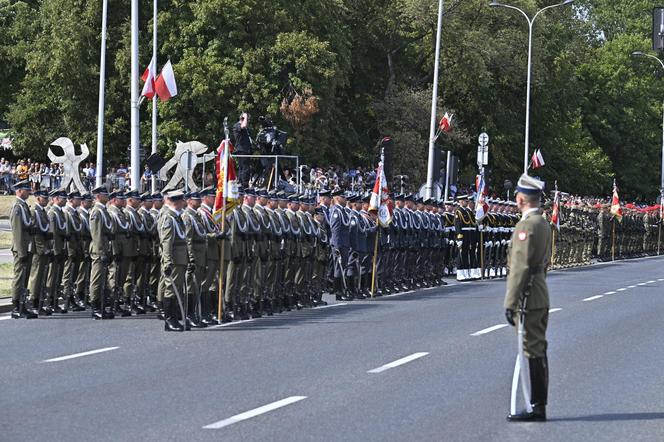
pixel 256 310
pixel 16 311
pixel 539 384
pixel 170 310
pixel 160 311
pixel 30 310
pixel 339 291
pixel 76 304
pixel 227 315
pixel 244 311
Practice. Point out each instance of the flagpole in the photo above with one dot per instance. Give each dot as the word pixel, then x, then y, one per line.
pixel 222 267
pixel 102 93
pixel 134 125
pixel 434 104
pixel 154 98
pixel 380 197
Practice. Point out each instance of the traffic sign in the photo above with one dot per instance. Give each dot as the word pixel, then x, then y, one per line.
pixel 483 139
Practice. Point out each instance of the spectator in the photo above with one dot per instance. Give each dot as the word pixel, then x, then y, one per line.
pixel 121 173
pixel 45 173
pixel 5 175
pixel 22 171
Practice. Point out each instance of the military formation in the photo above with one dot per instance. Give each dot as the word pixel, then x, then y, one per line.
pixel 122 254
pixel 589 231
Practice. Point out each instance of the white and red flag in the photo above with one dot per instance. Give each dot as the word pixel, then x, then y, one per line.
pixel 616 210
pixel 481 206
pixel 380 198
pixel 165 83
pixel 537 160
pixel 555 212
pixel 148 77
pixel 446 122
pixel 227 191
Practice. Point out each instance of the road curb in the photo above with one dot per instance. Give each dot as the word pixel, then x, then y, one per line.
pixel 5 305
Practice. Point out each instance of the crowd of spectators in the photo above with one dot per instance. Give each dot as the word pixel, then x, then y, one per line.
pixel 48 176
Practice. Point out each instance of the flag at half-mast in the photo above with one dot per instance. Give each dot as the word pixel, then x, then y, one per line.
pixel 616 210
pixel 481 206
pixel 380 198
pixel 555 212
pixel 537 160
pixel 227 197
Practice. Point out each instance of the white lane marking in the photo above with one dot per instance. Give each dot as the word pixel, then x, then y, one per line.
pixel 553 310
pixel 400 293
pixel 661 279
pixel 2 318
pixel 631 286
pixel 253 413
pixel 641 283
pixel 398 362
pixel 230 324
pixel 621 289
pixel 609 293
pixel 488 330
pixel 340 304
pixel 651 281
pixel 79 355
pixel 592 298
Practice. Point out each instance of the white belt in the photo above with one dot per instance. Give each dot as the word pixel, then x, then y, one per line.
pixel 468 228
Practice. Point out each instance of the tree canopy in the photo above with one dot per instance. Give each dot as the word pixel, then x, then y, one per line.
pixel 340 74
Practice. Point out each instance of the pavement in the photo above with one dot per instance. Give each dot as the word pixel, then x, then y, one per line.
pixel 430 365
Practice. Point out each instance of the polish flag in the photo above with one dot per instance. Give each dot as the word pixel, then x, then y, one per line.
pixel 555 213
pixel 446 122
pixel 537 160
pixel 616 210
pixel 165 83
pixel 148 78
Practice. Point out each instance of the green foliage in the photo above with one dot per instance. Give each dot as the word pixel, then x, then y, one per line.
pixel 340 74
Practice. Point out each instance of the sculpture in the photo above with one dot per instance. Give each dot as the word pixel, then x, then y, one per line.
pixel 181 172
pixel 70 162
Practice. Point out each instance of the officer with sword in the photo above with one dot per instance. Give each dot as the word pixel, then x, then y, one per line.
pixel 527 301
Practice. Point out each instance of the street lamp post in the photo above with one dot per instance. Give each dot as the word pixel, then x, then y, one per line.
pixel 641 54
pixel 530 21
pixel 661 182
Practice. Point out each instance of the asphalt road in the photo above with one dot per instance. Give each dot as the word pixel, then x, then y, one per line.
pixel 325 374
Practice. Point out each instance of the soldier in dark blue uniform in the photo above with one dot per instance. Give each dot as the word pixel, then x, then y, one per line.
pixel 340 243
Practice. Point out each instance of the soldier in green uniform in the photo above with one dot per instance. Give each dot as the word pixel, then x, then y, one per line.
pixel 528 260
pixel 237 231
pixel 123 250
pixel 145 292
pixel 83 279
pixel 174 258
pixel 58 224
pixel 74 252
pixel 156 281
pixel 210 284
pixel 22 243
pixel 42 253
pixel 265 261
pixel 196 235
pixel 138 249
pixel 101 231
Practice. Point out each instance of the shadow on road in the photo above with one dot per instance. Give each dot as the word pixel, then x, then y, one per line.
pixel 610 417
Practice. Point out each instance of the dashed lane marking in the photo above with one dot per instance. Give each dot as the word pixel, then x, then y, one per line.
pixel 488 330
pixel 621 289
pixel 79 355
pixel 553 310
pixel 398 362
pixel 253 413
pixel 592 298
pixel 610 293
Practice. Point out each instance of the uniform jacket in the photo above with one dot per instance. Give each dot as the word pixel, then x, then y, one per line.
pixel 58 227
pixel 529 251
pixel 21 223
pixel 101 230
